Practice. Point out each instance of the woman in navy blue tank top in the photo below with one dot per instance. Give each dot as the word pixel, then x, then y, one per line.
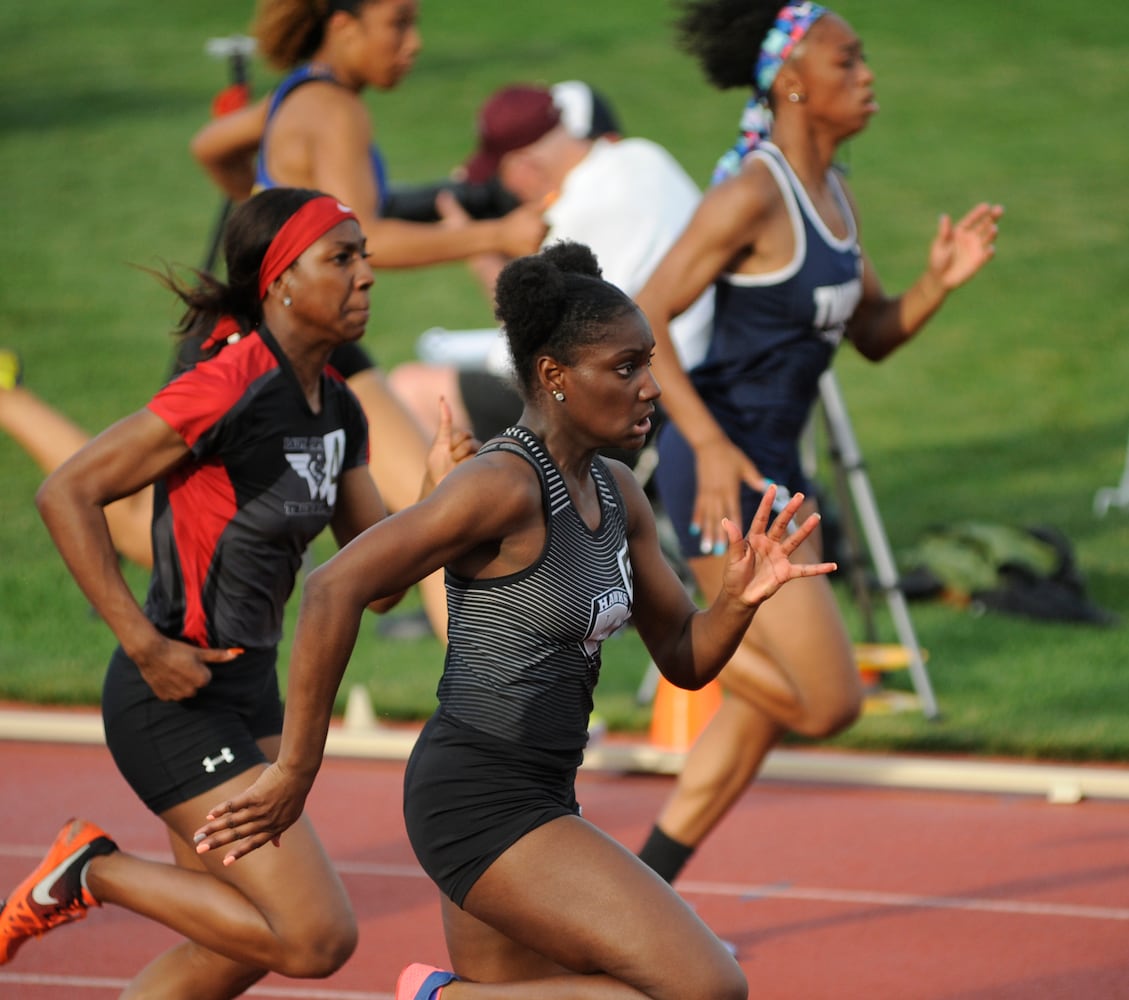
pixel 548 550
pixel 778 237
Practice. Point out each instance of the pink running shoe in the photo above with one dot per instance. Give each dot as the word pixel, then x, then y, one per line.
pixel 53 894
pixel 422 982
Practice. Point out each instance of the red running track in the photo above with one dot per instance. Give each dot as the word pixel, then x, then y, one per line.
pixel 827 891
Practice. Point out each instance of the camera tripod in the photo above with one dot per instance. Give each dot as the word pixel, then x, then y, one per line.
pixel 854 492
pixel 237 50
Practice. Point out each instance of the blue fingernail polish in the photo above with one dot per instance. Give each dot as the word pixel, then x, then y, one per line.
pixel 719 548
pixel 694 529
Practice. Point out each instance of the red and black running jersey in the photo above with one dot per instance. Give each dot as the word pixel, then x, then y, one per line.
pixel 231 523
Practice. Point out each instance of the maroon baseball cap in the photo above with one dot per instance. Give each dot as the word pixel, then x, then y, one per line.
pixel 511 119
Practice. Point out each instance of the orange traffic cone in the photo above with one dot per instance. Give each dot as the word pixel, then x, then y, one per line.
pixel 678 716
pixel 875 658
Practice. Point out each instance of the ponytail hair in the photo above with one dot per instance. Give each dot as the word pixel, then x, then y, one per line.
pixel 289 32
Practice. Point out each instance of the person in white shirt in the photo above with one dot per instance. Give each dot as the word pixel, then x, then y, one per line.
pixel 626 198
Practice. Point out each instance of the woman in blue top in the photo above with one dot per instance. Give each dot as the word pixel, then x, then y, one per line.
pixel 314 131
pixel 778 236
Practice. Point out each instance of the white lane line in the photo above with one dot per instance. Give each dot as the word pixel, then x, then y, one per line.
pixel 96 983
pixel 904 900
pixel 766 891
pixel 787 891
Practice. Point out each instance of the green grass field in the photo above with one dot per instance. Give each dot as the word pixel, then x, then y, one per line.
pixel 1011 408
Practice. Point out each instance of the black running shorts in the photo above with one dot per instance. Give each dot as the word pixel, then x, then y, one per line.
pixel 469 796
pixel 173 751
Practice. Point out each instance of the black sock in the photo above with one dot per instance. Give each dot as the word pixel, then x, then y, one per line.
pixel 665 855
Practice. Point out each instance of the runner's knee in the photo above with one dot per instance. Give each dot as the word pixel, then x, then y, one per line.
pixel 832 715
pixel 321 949
pixel 718 982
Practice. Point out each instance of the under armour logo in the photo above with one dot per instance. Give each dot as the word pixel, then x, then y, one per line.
pixel 225 757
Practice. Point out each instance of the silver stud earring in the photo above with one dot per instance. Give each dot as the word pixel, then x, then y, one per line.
pixel 558 395
pixel 287 301
pixel 795 98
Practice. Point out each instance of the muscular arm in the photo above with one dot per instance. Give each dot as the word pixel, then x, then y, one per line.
pixel 691 646
pixel 127 456
pixel 225 147
pixel 335 136
pixel 721 232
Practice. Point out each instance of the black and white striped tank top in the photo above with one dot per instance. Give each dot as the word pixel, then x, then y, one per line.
pixel 523 653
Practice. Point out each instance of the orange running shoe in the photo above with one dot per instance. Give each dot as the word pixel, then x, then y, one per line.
pixel 54 893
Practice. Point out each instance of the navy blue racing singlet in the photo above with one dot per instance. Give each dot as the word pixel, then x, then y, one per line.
pixel 294 80
pixel 776 333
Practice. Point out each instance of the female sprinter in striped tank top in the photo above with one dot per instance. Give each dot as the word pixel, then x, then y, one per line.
pixel 548 549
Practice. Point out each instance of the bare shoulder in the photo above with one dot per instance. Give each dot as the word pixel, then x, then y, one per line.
pixel 324 107
pixel 753 192
pixel 493 491
pixel 731 212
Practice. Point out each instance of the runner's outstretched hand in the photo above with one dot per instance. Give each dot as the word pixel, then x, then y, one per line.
pixel 760 562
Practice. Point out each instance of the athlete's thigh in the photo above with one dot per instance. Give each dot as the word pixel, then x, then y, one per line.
pixel 293 884
pixel 800 627
pixel 796 661
pixel 484 954
pixel 569 892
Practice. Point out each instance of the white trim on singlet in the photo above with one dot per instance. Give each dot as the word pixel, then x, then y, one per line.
pixel 794 195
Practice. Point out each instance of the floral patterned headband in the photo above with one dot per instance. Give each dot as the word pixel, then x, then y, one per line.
pixel 792 23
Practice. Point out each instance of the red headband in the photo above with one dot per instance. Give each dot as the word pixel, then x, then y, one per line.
pixel 312 221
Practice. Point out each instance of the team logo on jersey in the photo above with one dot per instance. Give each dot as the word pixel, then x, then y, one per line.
pixel 834 306
pixel 611 610
pixel 319 461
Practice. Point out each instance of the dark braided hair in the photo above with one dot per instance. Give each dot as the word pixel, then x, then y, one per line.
pixel 555 302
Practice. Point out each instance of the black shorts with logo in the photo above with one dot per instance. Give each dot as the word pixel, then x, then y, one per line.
pixel 172 751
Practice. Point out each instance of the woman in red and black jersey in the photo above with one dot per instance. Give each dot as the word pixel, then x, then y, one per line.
pixel 252 452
